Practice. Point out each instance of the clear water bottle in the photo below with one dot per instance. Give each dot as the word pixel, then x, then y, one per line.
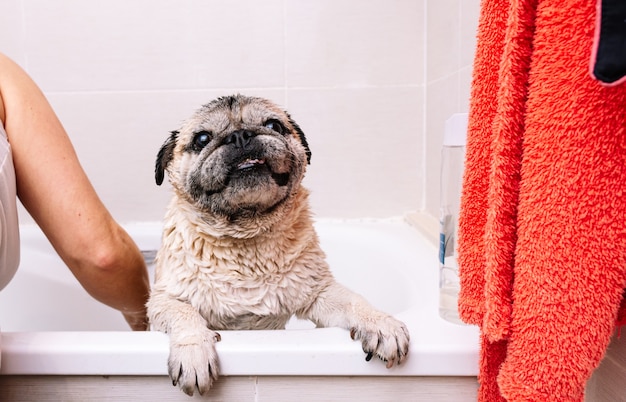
pixel 452 162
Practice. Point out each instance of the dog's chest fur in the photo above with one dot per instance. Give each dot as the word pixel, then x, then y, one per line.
pixel 256 283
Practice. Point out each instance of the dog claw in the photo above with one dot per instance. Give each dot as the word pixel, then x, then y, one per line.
pixel 369 356
pixel 175 379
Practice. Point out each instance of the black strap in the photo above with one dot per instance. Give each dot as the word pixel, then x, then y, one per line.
pixel 610 63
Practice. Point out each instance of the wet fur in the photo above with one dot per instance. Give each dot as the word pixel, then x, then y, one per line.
pixel 244 260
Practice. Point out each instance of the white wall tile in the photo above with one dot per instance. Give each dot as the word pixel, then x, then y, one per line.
pixel 465 85
pixel 12 30
pixel 351 43
pixel 607 382
pixel 441 103
pixel 442 37
pixel 470 10
pixel 347 70
pixel 155 44
pixel 365 145
pixel 451 39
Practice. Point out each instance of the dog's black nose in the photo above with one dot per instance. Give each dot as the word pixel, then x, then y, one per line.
pixel 239 138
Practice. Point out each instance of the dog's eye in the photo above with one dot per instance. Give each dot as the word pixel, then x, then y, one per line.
pixel 275 125
pixel 201 139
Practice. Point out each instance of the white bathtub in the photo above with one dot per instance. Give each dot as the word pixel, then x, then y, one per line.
pixel 50 326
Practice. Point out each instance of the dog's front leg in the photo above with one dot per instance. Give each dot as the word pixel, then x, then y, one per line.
pixel 193 359
pixel 380 333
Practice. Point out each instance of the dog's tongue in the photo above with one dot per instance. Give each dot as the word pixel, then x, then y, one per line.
pixel 248 163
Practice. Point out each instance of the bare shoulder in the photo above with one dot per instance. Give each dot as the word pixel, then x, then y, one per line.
pixel 3 62
pixel 2 118
pixel 14 81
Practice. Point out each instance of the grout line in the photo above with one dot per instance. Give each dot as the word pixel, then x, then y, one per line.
pixel 445 77
pixel 422 155
pixel 458 56
pixel 276 88
pixel 23 32
pixel 285 56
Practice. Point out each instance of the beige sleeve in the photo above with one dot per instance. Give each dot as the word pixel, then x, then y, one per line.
pixel 9 230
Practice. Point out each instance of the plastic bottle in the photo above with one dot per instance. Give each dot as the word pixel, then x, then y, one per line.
pixel 452 162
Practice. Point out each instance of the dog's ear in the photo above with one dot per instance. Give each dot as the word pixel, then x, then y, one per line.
pixel 165 155
pixel 302 138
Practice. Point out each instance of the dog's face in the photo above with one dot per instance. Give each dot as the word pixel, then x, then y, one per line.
pixel 236 157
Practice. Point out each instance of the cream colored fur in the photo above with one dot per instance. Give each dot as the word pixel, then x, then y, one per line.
pixel 216 274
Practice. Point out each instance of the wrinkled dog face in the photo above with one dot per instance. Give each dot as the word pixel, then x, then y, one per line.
pixel 235 156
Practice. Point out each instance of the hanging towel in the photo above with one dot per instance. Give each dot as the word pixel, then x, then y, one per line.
pixel 542 228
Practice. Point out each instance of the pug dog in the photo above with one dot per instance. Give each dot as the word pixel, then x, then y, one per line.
pixel 239 250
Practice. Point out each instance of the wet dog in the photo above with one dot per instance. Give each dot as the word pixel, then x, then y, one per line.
pixel 239 250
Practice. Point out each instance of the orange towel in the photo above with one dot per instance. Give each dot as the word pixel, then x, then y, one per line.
pixel 542 237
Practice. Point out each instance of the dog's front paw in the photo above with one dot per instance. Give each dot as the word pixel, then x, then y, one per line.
pixel 384 337
pixel 193 361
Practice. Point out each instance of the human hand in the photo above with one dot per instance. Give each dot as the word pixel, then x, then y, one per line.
pixel 138 321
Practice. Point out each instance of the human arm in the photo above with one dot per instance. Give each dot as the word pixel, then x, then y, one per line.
pixel 55 190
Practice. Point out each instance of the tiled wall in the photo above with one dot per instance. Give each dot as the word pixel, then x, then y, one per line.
pixel 370 82
pixel 451 40
pixel 607 382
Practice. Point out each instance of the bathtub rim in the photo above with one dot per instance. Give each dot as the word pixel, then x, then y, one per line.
pixel 444 349
pixel 319 352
